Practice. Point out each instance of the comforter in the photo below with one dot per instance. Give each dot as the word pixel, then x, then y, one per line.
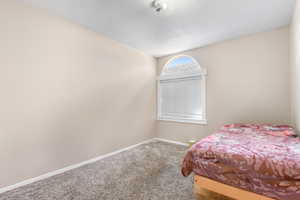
pixel 263 159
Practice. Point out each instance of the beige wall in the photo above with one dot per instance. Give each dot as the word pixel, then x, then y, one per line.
pixel 66 94
pixel 295 66
pixel 248 81
pixel 69 94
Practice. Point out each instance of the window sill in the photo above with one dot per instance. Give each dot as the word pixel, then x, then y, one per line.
pixel 185 121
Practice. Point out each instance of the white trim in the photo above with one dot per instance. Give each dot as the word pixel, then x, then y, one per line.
pixel 203 97
pixel 187 121
pixel 60 171
pixel 158 104
pixel 179 77
pixel 171 141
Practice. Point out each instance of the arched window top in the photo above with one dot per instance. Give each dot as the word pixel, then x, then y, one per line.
pixel 182 66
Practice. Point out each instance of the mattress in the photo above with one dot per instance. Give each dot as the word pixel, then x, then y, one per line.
pixel 264 159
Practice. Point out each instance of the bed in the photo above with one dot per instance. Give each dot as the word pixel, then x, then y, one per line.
pixel 239 160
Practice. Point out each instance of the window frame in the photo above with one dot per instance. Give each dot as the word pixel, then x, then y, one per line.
pixel 179 77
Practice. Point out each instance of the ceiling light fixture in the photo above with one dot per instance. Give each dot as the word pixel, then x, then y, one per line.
pixel 158 6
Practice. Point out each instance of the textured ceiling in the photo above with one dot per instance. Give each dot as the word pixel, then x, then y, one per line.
pixel 186 24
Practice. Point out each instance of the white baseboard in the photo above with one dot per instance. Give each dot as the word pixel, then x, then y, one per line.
pixel 60 171
pixel 171 141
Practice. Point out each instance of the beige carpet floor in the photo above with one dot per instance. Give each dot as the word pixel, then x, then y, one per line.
pixel 148 172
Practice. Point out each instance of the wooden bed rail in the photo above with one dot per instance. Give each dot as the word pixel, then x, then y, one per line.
pixel 201 183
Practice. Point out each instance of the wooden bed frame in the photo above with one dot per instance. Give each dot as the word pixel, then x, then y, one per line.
pixel 202 185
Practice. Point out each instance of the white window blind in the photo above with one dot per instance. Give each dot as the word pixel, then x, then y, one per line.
pixel 182 98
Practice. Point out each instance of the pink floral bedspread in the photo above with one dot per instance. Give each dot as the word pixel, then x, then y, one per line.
pixel 263 159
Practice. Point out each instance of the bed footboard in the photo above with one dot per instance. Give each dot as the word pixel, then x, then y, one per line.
pixel 202 184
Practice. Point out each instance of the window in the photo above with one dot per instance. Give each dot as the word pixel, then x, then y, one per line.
pixel 181 91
